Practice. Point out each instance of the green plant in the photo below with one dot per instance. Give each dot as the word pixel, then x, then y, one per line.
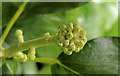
pixel 97 55
pixel 71 37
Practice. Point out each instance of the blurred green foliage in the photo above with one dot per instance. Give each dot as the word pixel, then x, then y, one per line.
pixel 98 19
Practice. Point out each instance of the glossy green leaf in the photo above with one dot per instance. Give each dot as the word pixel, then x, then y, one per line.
pixel 99 56
pixel 34 8
pixel 12 65
pixel 50 7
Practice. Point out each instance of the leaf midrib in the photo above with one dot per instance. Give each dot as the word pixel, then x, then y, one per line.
pixel 87 63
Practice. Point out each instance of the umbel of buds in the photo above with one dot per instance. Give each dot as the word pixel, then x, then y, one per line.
pixel 71 37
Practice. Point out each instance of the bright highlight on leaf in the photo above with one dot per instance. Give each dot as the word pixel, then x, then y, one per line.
pixel 71 37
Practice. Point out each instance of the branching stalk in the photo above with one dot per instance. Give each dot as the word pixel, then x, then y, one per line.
pixel 9 52
pixel 71 37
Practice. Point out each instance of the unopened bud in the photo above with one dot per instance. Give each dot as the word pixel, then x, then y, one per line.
pixel 81 43
pixel 62 27
pixel 69 26
pixel 69 52
pixel 69 35
pixel 82 32
pixel 60 44
pixel 84 39
pixel 65 43
pixel 20 38
pixel 47 36
pixel 18 32
pixel 31 53
pixel 72 47
pixel 76 30
pixel 65 50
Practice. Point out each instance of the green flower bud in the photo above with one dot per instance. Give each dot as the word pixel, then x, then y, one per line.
pixel 84 39
pixel 69 26
pixel 69 35
pixel 76 30
pixel 77 49
pixel 63 32
pixel 25 57
pixel 74 38
pixel 20 38
pixel 18 32
pixel 47 36
pixel 65 50
pixel 69 52
pixel 21 56
pixel 60 44
pixel 82 33
pixel 75 24
pixel 80 43
pixel 60 38
pixel 72 47
pixel 65 43
pixel 63 27
pixel 31 53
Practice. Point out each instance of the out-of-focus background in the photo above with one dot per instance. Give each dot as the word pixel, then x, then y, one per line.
pixel 99 19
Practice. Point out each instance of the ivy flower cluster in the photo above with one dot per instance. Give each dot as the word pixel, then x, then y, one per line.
pixel 71 37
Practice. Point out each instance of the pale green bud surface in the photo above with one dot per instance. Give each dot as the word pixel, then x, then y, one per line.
pixel 82 32
pixel 70 26
pixel 31 53
pixel 18 32
pixel 47 35
pixel 65 50
pixel 25 57
pixel 77 49
pixel 66 43
pixel 60 44
pixel 22 56
pixel 69 53
pixel 72 47
pixel 62 27
pixel 69 35
pixel 21 38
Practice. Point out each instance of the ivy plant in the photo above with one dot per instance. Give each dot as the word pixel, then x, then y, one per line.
pixel 56 37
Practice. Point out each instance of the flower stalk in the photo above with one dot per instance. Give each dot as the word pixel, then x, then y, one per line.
pixel 11 51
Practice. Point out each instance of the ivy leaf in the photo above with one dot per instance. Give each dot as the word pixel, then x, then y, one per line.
pixel 12 65
pixel 50 7
pixel 34 8
pixel 99 56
